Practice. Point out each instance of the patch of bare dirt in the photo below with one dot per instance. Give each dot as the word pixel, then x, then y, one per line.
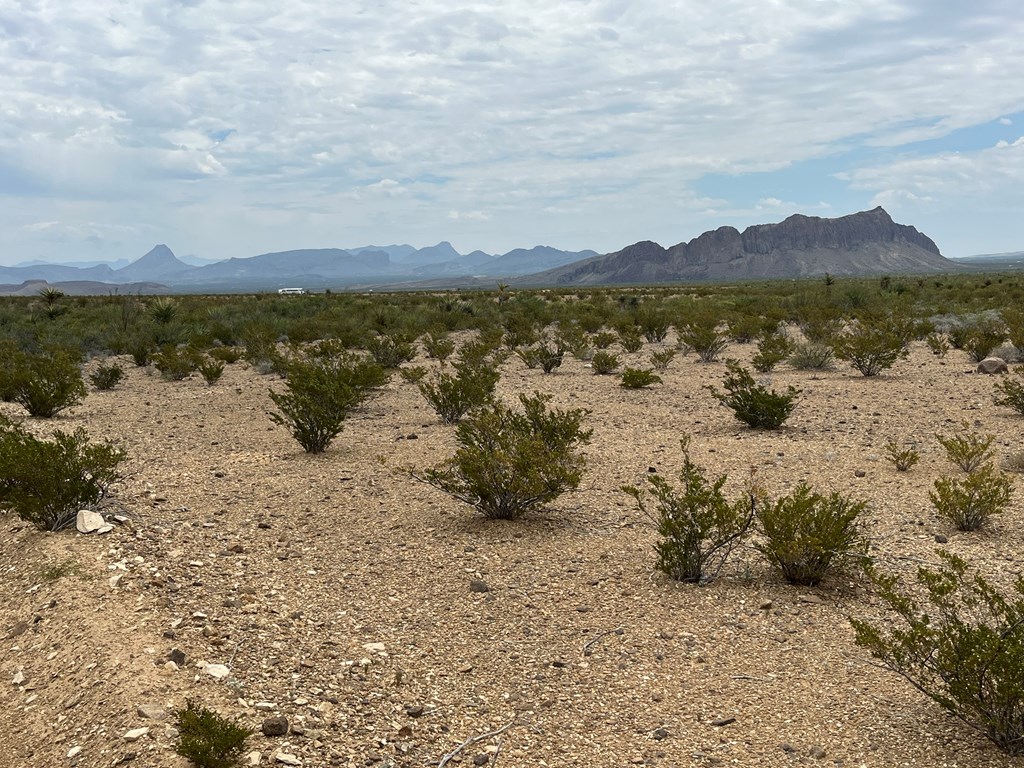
pixel 337 590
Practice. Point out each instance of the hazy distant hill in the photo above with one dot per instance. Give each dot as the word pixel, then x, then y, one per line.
pixel 869 242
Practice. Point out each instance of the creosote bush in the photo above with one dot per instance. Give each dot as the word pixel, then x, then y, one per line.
pixel 208 739
pixel 971 500
pixel 107 376
pixel 630 340
pixel 812 356
pixel 46 482
pixel 662 358
pixel 871 346
pixel 604 363
pixel 211 370
pixel 983 336
pixel 470 385
pixel 703 337
pixel 754 404
pixel 698 526
pixel 967 450
pixel 509 462
pixel 319 394
pixel 772 348
pixel 48 383
pixel 546 357
pixel 963 647
pixel 1010 392
pixel 806 535
pixel 175 363
pixel 937 343
pixel 638 378
pixel 902 458
pixel 390 350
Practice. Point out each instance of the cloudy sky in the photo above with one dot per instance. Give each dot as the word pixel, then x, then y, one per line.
pixel 240 127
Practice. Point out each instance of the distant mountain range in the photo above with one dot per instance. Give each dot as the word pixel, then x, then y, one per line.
pixel 869 242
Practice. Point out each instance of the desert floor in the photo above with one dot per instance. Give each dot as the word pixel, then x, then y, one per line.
pixel 335 588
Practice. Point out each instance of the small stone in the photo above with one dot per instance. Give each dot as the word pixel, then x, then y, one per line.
pixel 992 365
pixel 660 734
pixel 766 605
pixel 265 706
pixel 217 671
pixel 476 585
pixel 275 726
pixel 88 521
pixel 787 747
pixel 482 759
pixel 135 734
pixel 559 664
pixel 414 710
pixel 816 752
pixel 860 473
pixel 465 669
pixel 177 656
pixel 721 721
pixel 19 678
pixel 811 599
pixel 375 648
pixel 151 711
pixel 287 759
pixel 74 751
pixel 253 758
pixel 940 539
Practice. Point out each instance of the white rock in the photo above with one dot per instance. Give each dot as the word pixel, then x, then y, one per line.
pixel 73 752
pixel 135 734
pixel 151 711
pixel 89 521
pixel 284 757
pixel 375 647
pixel 265 706
pixel 113 580
pixel 107 528
pixel 253 758
pixel 218 671
pixel 19 678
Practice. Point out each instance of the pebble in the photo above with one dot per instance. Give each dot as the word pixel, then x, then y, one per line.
pixel 940 539
pixel 217 671
pixel 287 759
pixel 151 711
pixel 88 521
pixel 275 726
pixel 476 585
pixel 719 722
pixel 74 751
pixel 135 734
pixel 375 648
pixel 660 734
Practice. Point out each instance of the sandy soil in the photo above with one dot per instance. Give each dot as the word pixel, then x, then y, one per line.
pixel 241 550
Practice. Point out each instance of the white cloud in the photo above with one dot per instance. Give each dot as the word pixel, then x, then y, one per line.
pixel 234 128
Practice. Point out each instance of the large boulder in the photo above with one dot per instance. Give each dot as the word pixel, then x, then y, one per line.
pixel 992 365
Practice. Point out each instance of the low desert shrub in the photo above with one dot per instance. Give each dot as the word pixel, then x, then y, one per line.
pixel 698 526
pixel 438 345
pixel 390 351
pixel 175 363
pixel 967 449
pixel 603 339
pixel 812 356
pixel 470 385
pixel 48 383
pixel 703 338
pixel 772 349
pixel 107 376
pixel 937 343
pixel 211 370
pixel 969 501
pixel 46 482
pixel 630 340
pixel 227 355
pixel 414 374
pixel 902 458
pixel 638 378
pixel 1010 392
pixel 963 648
pixel 662 358
pixel 208 739
pixel 509 462
pixel 807 535
pixel 604 363
pixel 754 404
pixel 319 395
pixel 871 346
pixel 983 336
pixel 542 356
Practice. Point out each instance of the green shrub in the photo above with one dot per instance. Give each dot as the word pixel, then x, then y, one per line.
pixel 48 383
pixel 698 526
pixel 937 343
pixel 211 370
pixel 752 403
pixel 871 347
pixel 638 378
pixel 1012 393
pixel 207 739
pixel 47 482
pixel 653 323
pixel 902 458
pixel 967 450
pixel 176 363
pixel 812 356
pixel 1014 320
pixel 163 310
pixel 509 462
pixel 438 345
pixel 604 339
pixel 225 354
pixel 703 337
pixel 413 374
pixel 107 376
pixel 472 384
pixel 630 340
pixel 320 393
pixel 604 363
pixel 662 358
pixel 772 349
pixel 982 337
pixel 806 535
pixel 12 367
pixel 964 648
pixel 543 356
pixel 390 351
pixel 958 334
pixel 971 500
pixel 140 349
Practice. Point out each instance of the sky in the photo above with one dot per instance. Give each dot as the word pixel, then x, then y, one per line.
pixel 229 129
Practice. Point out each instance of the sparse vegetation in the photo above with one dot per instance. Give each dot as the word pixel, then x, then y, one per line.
pixel 807 535
pixel 1010 392
pixel 107 376
pixel 661 359
pixel 872 346
pixel 211 370
pixel 47 383
pixel 772 348
pixel 971 500
pixel 703 337
pixel 812 356
pixel 471 385
pixel 968 450
pixel 754 404
pixel 638 378
pixel 903 458
pixel 604 363
pixel 46 482
pixel 510 462
pixel 963 648
pixel 698 526
pixel 208 739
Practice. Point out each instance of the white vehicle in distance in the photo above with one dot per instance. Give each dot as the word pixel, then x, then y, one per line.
pixel 291 291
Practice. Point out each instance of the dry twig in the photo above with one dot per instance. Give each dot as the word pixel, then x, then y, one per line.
pixel 474 740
